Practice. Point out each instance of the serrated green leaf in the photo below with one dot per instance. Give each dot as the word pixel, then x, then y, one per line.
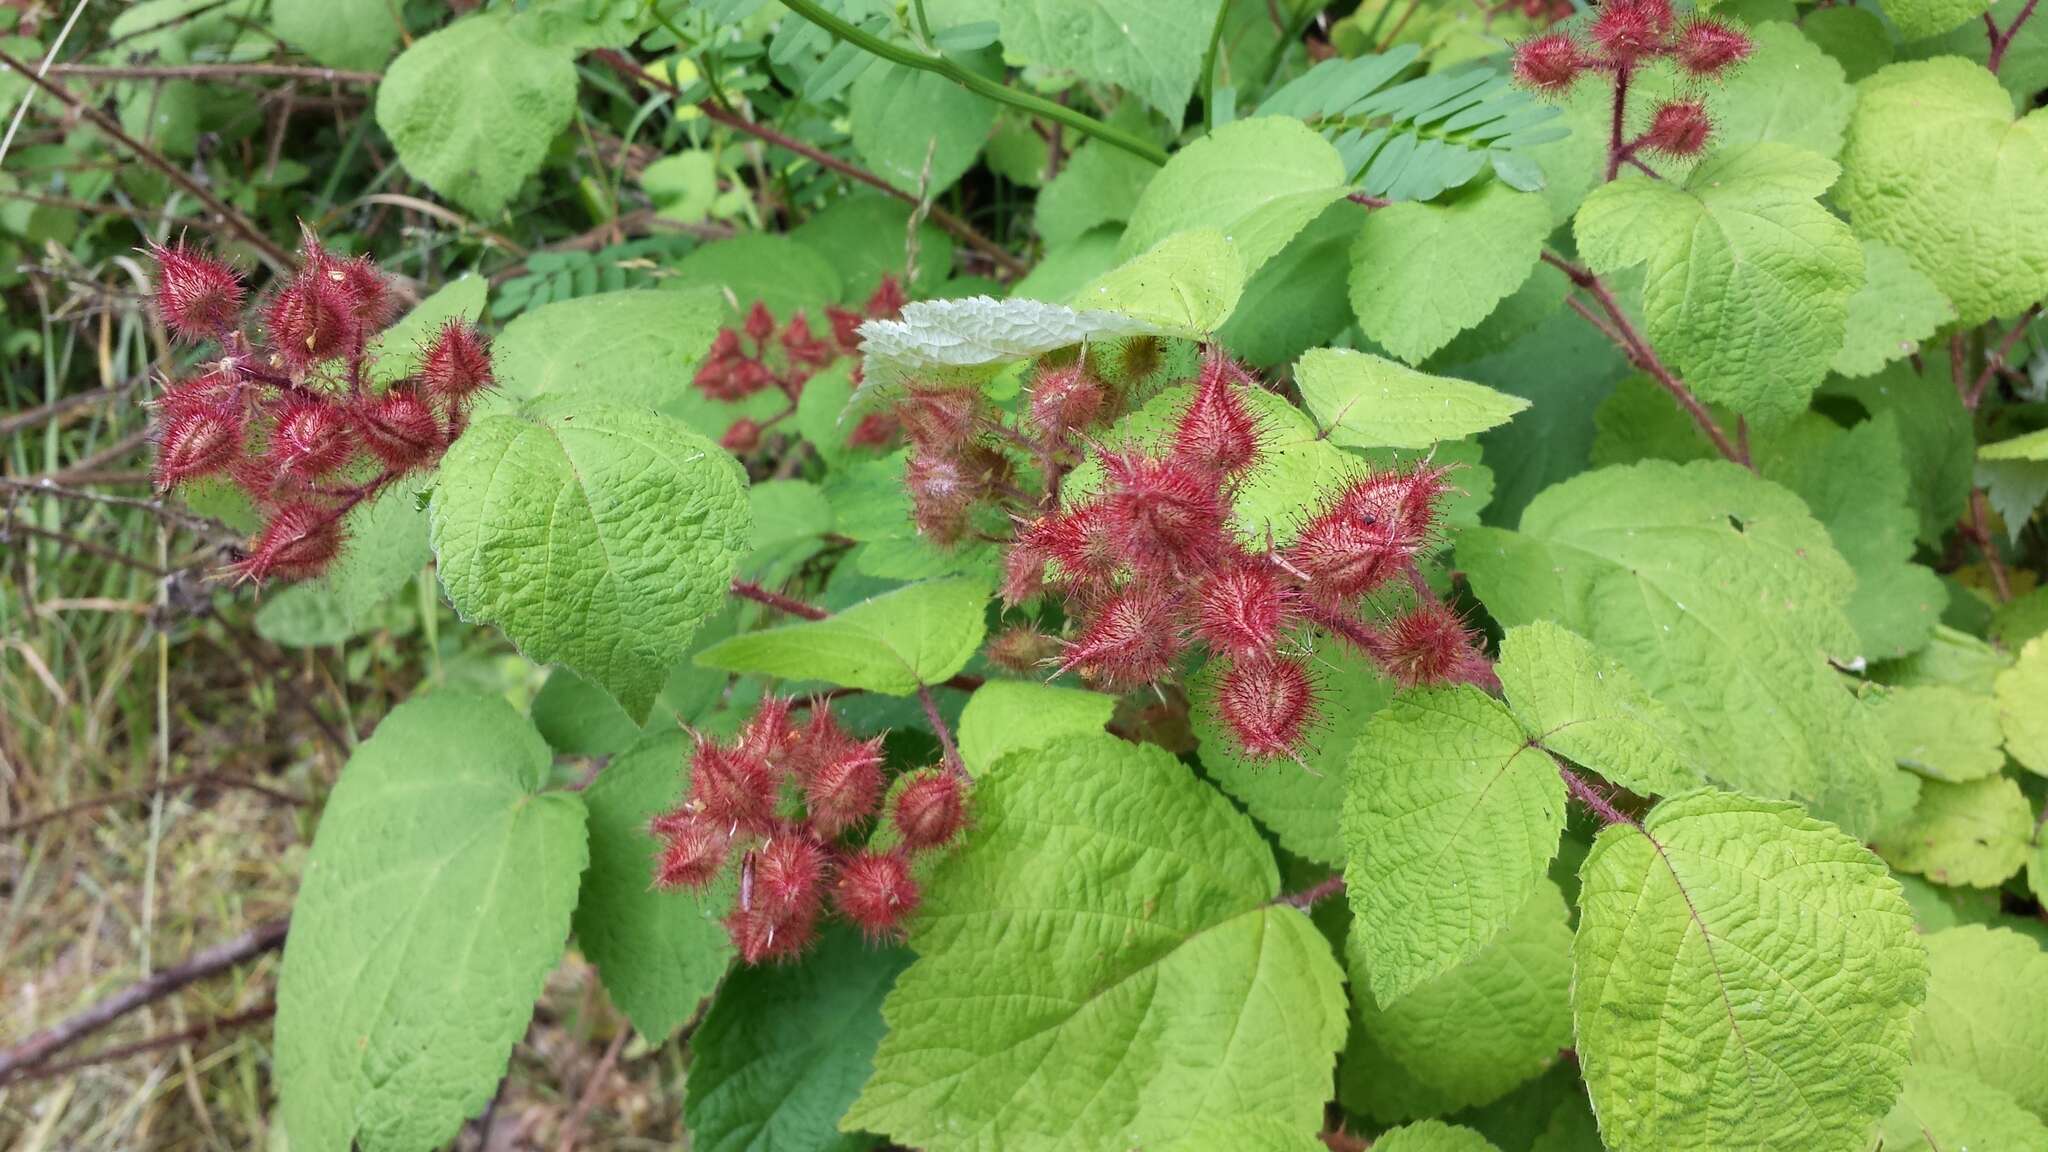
pixel 386 546
pixel 1471 1035
pixel 352 34
pixel 591 535
pixel 1176 994
pixel 435 902
pixel 1258 181
pixel 1576 702
pixel 635 347
pixel 973 338
pixel 658 953
pixel 785 1049
pixel 864 237
pixel 1299 802
pixel 1919 19
pixel 1005 715
pixel 2032 446
pixel 1936 166
pixel 1973 834
pixel 1188 284
pixel 1943 732
pixel 1099 185
pixel 1788 91
pixel 1896 309
pixel 2023 707
pixel 1723 597
pixel 1749 277
pixel 1367 401
pixel 1433 1136
pixel 1745 977
pixel 1151 48
pixel 472 109
pixel 916 129
pixel 1987 1011
pixel 1296 300
pixel 1422 273
pixel 1944 1109
pixel 780 271
pixel 1935 431
pixel 1451 819
pixel 921 634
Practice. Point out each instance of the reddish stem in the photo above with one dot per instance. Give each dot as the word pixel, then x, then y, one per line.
pixel 1617 149
pixel 1315 894
pixel 954 763
pixel 2000 41
pixel 749 590
pixel 1600 805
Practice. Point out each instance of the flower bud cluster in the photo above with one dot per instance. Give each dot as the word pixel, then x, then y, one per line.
pixel 1625 36
pixel 792 803
pixel 761 354
pixel 291 418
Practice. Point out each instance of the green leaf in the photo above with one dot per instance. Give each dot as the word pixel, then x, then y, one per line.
pixel 1972 834
pixel 1937 167
pixel 1432 1136
pixel 637 347
pixel 1944 1109
pixel 1788 91
pixel 785 1049
pixel 1451 819
pixel 591 535
pixel 578 718
pixel 972 339
pixel 1368 401
pixel 1152 48
pixel 2032 446
pixel 1943 732
pixel 916 129
pixel 921 634
pixel 1576 702
pixel 1258 181
pixel 1174 995
pixel 579 24
pixel 1188 284
pixel 386 546
pixel 659 953
pixel 1723 597
pixel 780 271
pixel 1422 273
pixel 1099 185
pixel 398 350
pixel 1897 308
pixel 1935 431
pixel 1987 1012
pixel 351 34
pixel 1296 301
pixel 1005 715
pixel 1919 19
pixel 1745 977
pixel 472 109
pixel 1299 802
pixel 435 902
pixel 1749 277
pixel 1471 1035
pixel 2021 690
pixel 864 237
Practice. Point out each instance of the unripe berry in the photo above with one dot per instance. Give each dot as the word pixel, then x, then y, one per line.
pixel 841 776
pixel 1370 532
pixel 939 419
pixel 1162 516
pixel 736 792
pixel 789 877
pixel 1632 29
pixel 1218 433
pixel 1129 640
pixel 310 320
pixel 219 392
pixel 1022 649
pixel 198 297
pixel 743 437
pixel 803 348
pixel 761 939
pixel 399 428
pixel 457 365
pixel 1240 610
pixel 692 853
pixel 1067 399
pixel 887 300
pixel 845 328
pixel 760 323
pixel 299 540
pixel 1023 574
pixel 309 440
pixel 1267 705
pixel 1549 64
pixel 930 810
pixel 875 891
pixel 194 443
pixel 1429 644
pixel 1679 129
pixel 771 732
pixel 1079 541
pixel 1709 48
pixel 363 291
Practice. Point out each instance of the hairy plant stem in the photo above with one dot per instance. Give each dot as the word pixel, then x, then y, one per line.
pixel 1620 329
pixel 749 590
pixel 1601 806
pixel 978 84
pixel 2000 41
pixel 1617 148
pixel 954 763
pixel 1314 894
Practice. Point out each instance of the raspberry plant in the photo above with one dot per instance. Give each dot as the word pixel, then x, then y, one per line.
pixel 1103 575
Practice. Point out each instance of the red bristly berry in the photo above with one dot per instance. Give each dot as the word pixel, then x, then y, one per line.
pixel 1241 610
pixel 760 323
pixel 876 893
pixel 771 732
pixel 1429 644
pixel 1218 433
pixel 457 365
pixel 197 296
pixel 1021 649
pixel 1066 399
pixel 1267 705
pixel 1678 130
pixel 219 392
pixel 196 442
pixel 298 541
pixel 789 877
pixel 887 300
pixel 1709 48
pixel 1131 639
pixel 1370 532
pixel 1550 63
pixel 930 810
pixel 1162 515
pixel 399 428
pixel 1630 30
pixel 363 291
pixel 940 419
pixel 760 939
pixel 840 775
pixel 1079 541
pixel 310 321
pixel 735 791
pixel 741 438
pixel 309 440
pixel 693 851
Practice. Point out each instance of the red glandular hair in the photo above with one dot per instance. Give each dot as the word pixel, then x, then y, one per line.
pixel 287 409
pixel 799 808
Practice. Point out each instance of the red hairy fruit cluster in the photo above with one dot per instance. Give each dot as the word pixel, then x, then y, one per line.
pixel 291 416
pixel 792 803
pixel 1627 35
pixel 1151 568
pixel 762 354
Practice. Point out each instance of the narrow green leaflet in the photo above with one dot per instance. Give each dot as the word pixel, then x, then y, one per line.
pixel 921 634
pixel 1432 1136
pixel 1422 273
pixel 1973 834
pixel 659 953
pixel 472 109
pixel 917 130
pixel 1471 1035
pixel 1943 1109
pixel 1451 819
pixel 435 902
pixel 1749 277
pixel 1258 181
pixel 1578 703
pixel 2023 707
pixel 1936 167
pixel 1943 732
pixel 1004 715
pixel 1987 1011
pixel 1188 284
pixel 2031 447
pixel 591 535
pixel 1897 308
pixel 1102 965
pixel 785 1049
pixel 1745 977
pixel 1299 802
pixel 1368 401
pixel 1723 597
